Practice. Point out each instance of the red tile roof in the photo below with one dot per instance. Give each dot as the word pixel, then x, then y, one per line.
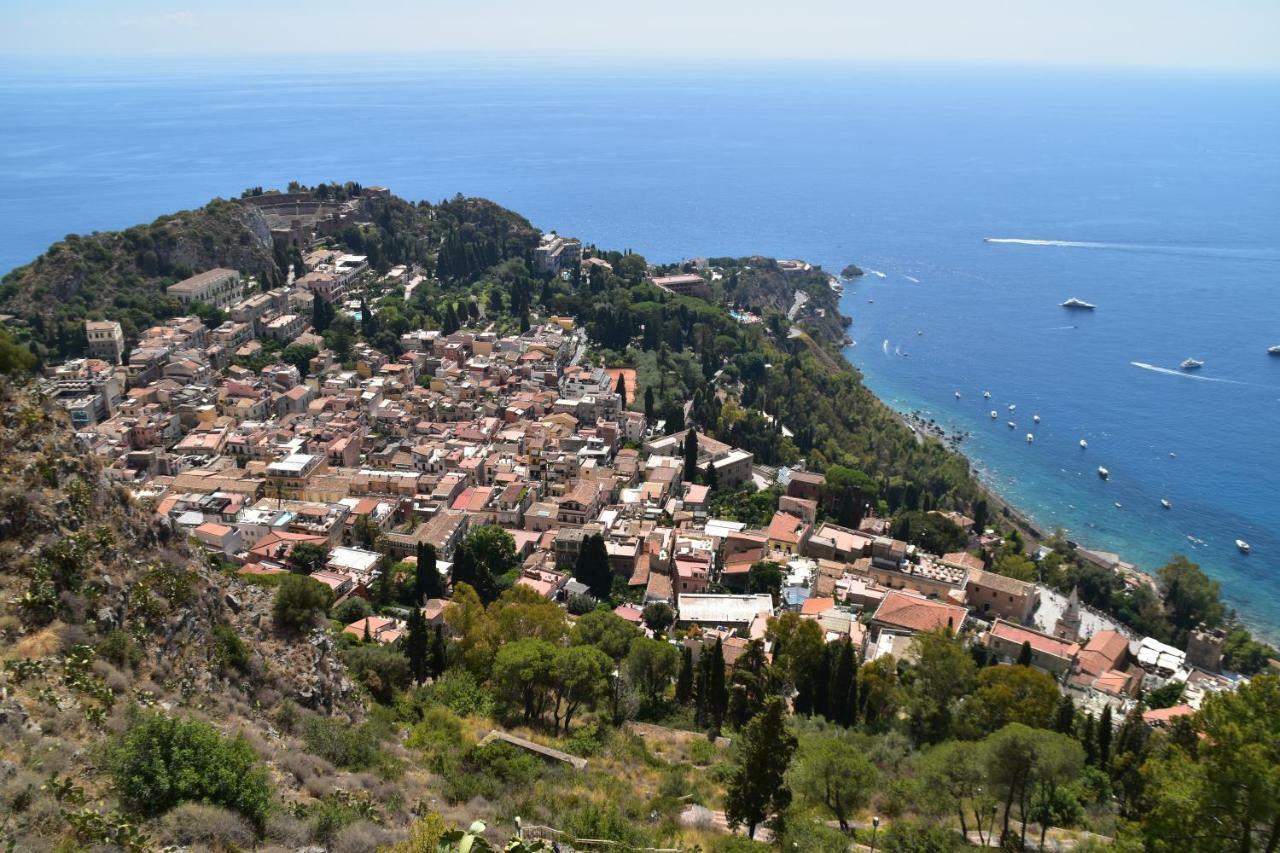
pixel 917 613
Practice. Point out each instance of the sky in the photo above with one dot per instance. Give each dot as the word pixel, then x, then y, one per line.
pixel 1199 34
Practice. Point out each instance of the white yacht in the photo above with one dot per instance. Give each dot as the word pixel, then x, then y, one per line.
pixel 994 414
pixel 1012 425
pixel 1030 438
pixel 1012 407
pixel 1192 364
pixel 1104 473
pixel 1164 502
pixel 1035 418
pixel 986 395
pixel 1083 444
pixel 957 395
pixel 1243 546
pixel 1275 350
pixel 1078 305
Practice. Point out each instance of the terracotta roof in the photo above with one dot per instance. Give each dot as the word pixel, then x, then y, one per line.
pixel 815 606
pixel 1160 716
pixel 991 580
pixel 785 527
pixel 1043 643
pixel 917 613
pixel 1102 652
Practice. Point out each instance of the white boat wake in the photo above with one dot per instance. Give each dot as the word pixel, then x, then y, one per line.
pixel 885 346
pixel 1244 253
pixel 911 278
pixel 876 273
pixel 1181 374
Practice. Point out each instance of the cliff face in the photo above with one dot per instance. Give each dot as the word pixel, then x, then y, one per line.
pixel 762 284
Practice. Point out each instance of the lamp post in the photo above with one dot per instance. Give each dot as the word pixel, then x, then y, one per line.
pixel 875 826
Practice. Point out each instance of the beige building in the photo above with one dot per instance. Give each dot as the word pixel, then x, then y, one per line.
pixel 218 287
pixel 106 340
pixel 991 595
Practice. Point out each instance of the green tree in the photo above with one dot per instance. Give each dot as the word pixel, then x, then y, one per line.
pixel 658 617
pixel 1021 759
pixel 484 555
pixel 717 689
pixel 163 761
pixel 758 782
pixel 522 675
pixel 651 664
pixel 592 567
pixel 1190 597
pixel 417 646
pixel 1010 694
pixel 765 576
pixel 299 355
pixel 605 630
pixel 579 676
pixel 691 456
pixel 1105 730
pixel 308 557
pixel 427 582
pixel 684 681
pixel 14 357
pixel 846 492
pixel 842 698
pixel 835 774
pixel 953 776
pixel 299 602
pixel 621 388
pixel 439 655
pixel 943 673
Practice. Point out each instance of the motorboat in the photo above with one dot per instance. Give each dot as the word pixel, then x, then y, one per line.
pixel 1164 502
pixel 1083 444
pixel 1078 305
pixel 1035 418
pixel 1012 407
pixel 1030 438
pixel 1192 364
pixel 957 395
pixel 1243 546
pixel 994 414
pixel 1119 505
pixel 1104 473
pixel 1275 350
pixel 986 395
pixel 1012 425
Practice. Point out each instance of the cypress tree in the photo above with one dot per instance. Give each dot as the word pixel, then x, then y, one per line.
pixel 426 577
pixel 622 391
pixel 840 709
pixel 417 647
pixel 691 456
pixel 822 683
pixel 1024 654
pixel 439 657
pixel 701 687
pixel 684 681
pixel 717 690
pixel 648 404
pixel 593 568
pixel 1066 717
pixel 366 638
pixel 1088 741
pixel 1104 738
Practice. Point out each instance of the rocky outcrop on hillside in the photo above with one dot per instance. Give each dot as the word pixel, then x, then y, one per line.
pixel 762 285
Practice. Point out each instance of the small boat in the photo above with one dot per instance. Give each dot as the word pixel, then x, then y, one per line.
pixel 1275 350
pixel 1083 444
pixel 1243 546
pixel 986 395
pixel 994 414
pixel 957 395
pixel 1035 418
pixel 1012 407
pixel 919 332
pixel 1119 505
pixel 1164 502
pixel 1172 455
pixel 1030 438
pixel 1012 425
pixel 1104 473
pixel 1078 305
pixel 1191 364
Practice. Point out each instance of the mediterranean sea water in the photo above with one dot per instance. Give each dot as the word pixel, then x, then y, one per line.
pixel 1154 195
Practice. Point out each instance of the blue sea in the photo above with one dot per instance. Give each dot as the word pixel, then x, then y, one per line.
pixel 1154 195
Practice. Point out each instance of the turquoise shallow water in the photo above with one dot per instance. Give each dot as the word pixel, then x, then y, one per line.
pixel 1157 197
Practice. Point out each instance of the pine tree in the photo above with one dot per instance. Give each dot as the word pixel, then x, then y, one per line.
pixel 427 582
pixel 417 647
pixel 1104 738
pixel 757 784
pixel 684 681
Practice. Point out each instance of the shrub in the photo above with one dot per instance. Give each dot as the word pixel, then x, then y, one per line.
pixel 229 651
pixel 210 827
pixel 459 691
pixel 341 744
pixel 119 648
pixel 360 837
pixel 486 770
pixel 352 609
pixel 380 668
pixel 299 602
pixel 440 727
pixel 163 761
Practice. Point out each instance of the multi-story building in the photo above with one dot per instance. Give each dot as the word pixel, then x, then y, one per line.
pixel 218 287
pixel 106 340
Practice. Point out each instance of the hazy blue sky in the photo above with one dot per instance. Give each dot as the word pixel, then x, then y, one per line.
pixel 1237 34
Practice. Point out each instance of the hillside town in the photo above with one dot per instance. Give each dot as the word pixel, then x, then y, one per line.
pixel 373 460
